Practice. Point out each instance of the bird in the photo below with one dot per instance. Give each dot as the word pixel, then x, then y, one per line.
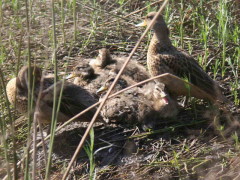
pixel 92 73
pixel 163 57
pixel 144 105
pixel 16 99
pixel 103 59
pixel 105 62
pixel 82 74
pixel 74 99
pixel 89 74
pixel 86 77
pixel 17 87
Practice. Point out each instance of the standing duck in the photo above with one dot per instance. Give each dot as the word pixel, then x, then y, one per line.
pixel 74 99
pixel 163 57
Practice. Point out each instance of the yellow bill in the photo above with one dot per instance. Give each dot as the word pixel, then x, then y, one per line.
pixel 142 24
pixel 73 75
pixel 102 89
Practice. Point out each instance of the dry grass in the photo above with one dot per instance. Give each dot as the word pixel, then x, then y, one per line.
pixel 200 144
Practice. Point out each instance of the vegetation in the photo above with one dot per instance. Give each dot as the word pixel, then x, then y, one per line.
pixel 200 143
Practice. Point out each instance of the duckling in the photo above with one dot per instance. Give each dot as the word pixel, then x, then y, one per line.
pixel 166 106
pixel 90 76
pixel 74 99
pixel 145 105
pixel 103 59
pixel 163 57
pixel 104 62
pixel 82 74
pixel 87 78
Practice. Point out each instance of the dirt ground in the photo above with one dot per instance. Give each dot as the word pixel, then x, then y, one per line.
pixel 200 143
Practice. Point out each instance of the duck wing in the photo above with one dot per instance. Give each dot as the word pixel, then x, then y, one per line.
pixel 74 99
pixel 185 66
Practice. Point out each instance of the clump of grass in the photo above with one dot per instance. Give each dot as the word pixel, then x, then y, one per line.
pixel 89 149
pixel 222 16
pixel 212 38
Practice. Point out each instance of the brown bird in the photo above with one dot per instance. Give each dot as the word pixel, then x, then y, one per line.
pixel 146 105
pixel 74 99
pixel 17 88
pixel 87 78
pixel 103 59
pixel 83 74
pixel 107 63
pixel 89 74
pixel 163 57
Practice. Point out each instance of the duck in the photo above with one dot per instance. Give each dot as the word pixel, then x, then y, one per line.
pixel 92 73
pixel 163 57
pixel 74 99
pixel 145 105
pixel 105 62
pixel 88 79
pixel 82 74
pixel 17 87
pixel 89 74
pixel 102 60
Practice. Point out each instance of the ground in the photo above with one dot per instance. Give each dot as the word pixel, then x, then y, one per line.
pixel 201 143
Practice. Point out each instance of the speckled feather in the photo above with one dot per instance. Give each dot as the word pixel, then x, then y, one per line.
pixel 137 105
pixel 180 64
pixel 163 57
pixel 107 63
pixel 74 98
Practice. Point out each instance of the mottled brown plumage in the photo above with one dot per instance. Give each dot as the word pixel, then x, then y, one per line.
pixel 74 98
pixel 163 57
pixel 89 74
pixel 146 105
pixel 17 88
pixel 107 63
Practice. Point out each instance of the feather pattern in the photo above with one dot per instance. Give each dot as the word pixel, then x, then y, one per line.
pixel 73 99
pixel 163 57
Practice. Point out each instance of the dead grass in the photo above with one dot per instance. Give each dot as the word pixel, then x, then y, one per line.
pixel 199 144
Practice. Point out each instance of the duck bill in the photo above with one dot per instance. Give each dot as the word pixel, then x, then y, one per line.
pixel 71 76
pixel 102 89
pixel 164 97
pixel 142 24
pixel 165 100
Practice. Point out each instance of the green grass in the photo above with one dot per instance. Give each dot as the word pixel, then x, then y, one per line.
pixel 89 149
pixel 208 30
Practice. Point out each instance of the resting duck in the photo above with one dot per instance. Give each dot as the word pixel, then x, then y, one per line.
pixel 145 105
pixel 106 62
pixel 74 99
pixel 17 88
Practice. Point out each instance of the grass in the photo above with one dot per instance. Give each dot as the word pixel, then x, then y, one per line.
pixel 89 149
pixel 208 30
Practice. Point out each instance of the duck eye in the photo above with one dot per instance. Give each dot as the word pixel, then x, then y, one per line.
pixel 150 17
pixel 111 80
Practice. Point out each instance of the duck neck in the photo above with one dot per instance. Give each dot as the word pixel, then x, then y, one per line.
pixel 160 41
